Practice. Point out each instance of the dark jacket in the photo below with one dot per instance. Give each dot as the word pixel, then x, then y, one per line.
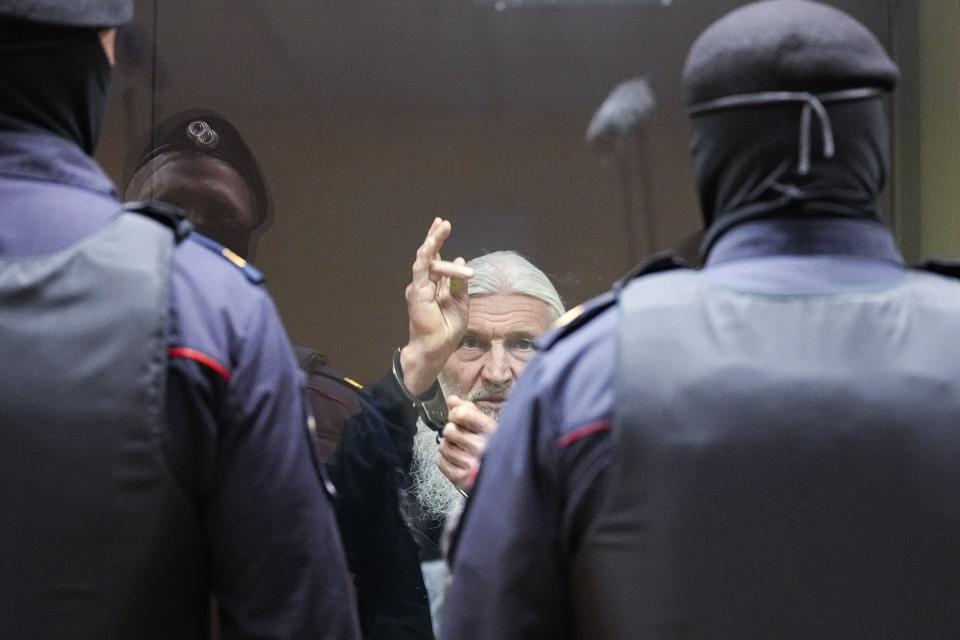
pixel 369 469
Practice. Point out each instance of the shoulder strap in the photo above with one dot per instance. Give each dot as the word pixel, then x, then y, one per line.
pixel 574 319
pixel 249 271
pixel 332 374
pixel 166 214
pixel 949 267
pixel 657 263
pixel 580 315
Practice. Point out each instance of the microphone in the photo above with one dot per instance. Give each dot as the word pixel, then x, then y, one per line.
pixel 617 131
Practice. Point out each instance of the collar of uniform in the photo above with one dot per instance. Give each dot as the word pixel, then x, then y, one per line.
pixel 823 237
pixel 49 158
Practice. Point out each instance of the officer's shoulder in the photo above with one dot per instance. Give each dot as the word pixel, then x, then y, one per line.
pixel 947 267
pixel 215 289
pixel 939 279
pixel 575 319
pixel 174 218
pixel 239 264
pixel 583 315
pixel 330 376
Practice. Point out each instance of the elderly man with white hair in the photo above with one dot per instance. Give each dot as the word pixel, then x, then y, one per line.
pixel 511 302
pixel 471 331
pixel 476 340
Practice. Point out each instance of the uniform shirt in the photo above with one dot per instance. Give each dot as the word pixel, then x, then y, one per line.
pixel 237 441
pixel 334 399
pixel 543 473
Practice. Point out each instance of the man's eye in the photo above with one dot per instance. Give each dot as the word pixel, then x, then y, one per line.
pixel 470 343
pixel 523 344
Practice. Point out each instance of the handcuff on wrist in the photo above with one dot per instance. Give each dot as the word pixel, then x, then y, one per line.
pixel 430 405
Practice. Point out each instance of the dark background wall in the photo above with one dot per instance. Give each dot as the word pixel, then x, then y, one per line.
pixel 370 117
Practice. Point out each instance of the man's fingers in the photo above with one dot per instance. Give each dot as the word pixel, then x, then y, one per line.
pixel 447 269
pixel 441 232
pixel 451 279
pixel 428 247
pixel 468 417
pixel 458 284
pixel 455 457
pixel 454 474
pixel 425 255
pixel 429 251
pixel 470 444
pixel 456 438
pixel 437 236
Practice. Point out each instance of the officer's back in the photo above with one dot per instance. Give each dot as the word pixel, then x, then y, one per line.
pixel 766 447
pixel 153 434
pixel 785 437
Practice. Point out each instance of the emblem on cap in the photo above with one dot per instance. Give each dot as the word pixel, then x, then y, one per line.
pixel 201 134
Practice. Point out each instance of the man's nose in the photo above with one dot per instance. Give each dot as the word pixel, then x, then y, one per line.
pixel 497 370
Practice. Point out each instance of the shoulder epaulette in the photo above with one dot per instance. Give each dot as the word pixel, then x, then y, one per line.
pixel 251 272
pixel 658 262
pixel 575 318
pixel 164 213
pixel 332 374
pixel 584 313
pixel 949 267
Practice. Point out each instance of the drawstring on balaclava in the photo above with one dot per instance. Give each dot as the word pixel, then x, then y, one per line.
pixel 812 104
pixel 756 155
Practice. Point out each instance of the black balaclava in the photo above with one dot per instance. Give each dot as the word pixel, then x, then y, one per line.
pixel 786 98
pixel 53 80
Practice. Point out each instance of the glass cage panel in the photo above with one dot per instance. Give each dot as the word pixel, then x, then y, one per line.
pixel 367 119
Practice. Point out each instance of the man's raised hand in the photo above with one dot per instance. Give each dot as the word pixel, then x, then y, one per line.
pixel 437 309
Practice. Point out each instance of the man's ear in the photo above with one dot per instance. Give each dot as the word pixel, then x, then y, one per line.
pixel 108 38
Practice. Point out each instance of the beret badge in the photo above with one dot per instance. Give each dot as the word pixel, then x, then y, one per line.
pixel 202 135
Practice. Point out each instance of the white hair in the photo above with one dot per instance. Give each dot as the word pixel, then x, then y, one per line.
pixel 507 272
pixel 501 272
pixel 434 492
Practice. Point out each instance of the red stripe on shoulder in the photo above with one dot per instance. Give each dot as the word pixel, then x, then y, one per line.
pixel 583 432
pixel 328 396
pixel 201 358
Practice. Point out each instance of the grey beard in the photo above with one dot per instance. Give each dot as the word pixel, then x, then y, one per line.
pixel 435 493
pixel 478 393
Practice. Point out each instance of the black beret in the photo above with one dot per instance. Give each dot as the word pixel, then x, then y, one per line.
pixel 785 45
pixel 204 131
pixel 69 13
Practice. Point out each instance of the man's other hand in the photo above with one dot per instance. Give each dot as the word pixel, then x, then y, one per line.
pixel 464 441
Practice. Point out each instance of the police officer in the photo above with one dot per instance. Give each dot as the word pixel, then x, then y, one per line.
pixel 197 160
pixel 154 436
pixel 766 448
